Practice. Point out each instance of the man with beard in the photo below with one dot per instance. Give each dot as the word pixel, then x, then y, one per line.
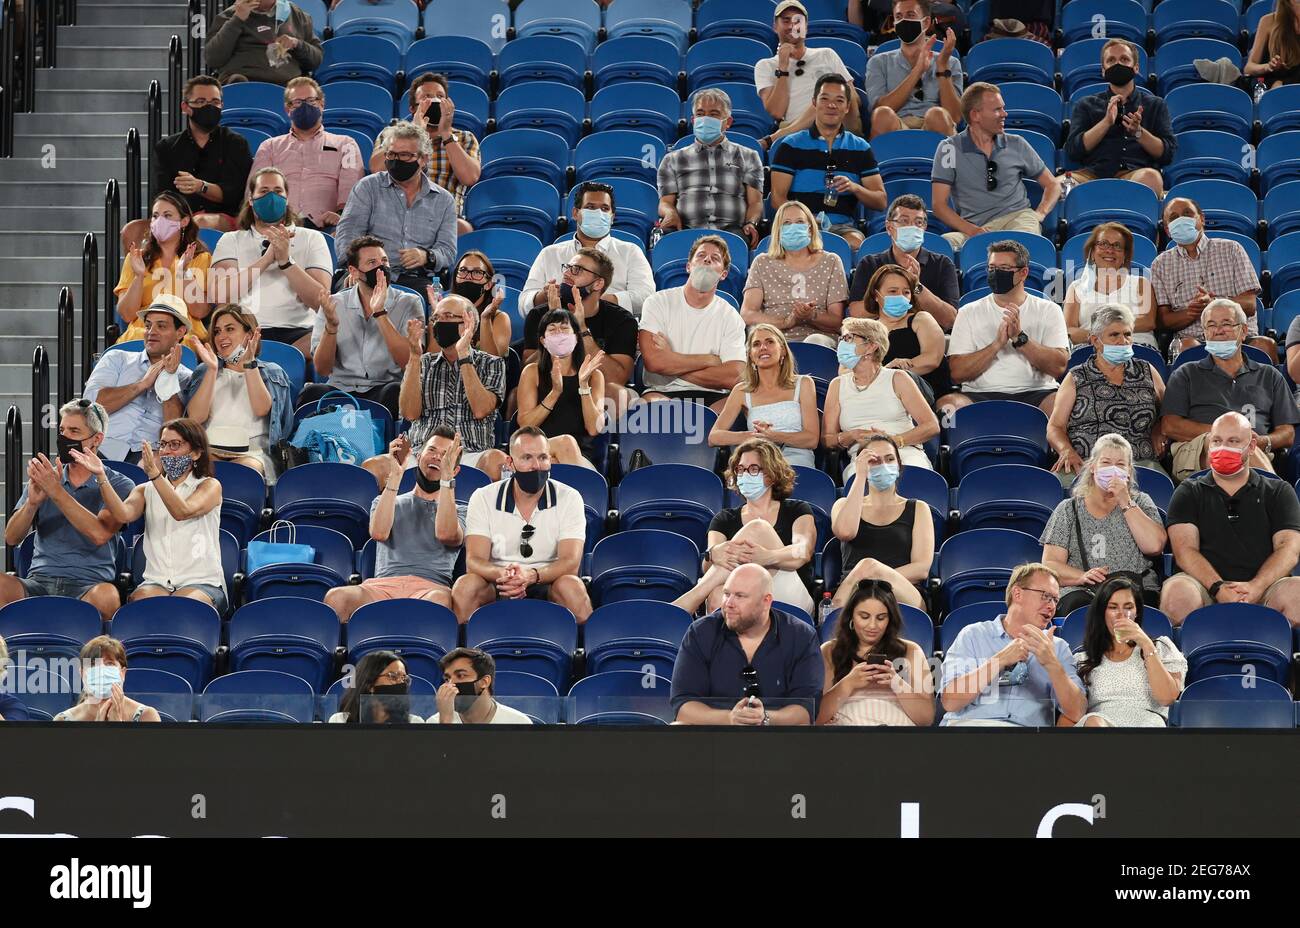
pixel 749 650
pixel 418 534
pixel 465 697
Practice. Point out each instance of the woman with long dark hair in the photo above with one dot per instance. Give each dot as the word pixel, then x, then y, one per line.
pixel 1131 680
pixel 171 259
pixel 562 392
pixel 1275 56
pixel 874 676
pixel 380 693
pixel 475 279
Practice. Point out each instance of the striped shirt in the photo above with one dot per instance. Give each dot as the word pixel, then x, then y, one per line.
pixel 443 402
pixel 809 158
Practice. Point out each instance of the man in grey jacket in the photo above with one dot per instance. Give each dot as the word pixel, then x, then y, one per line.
pixel 263 40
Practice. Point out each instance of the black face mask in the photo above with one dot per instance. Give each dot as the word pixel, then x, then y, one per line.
pixel 566 294
pixel 446 334
pixel 468 693
pixel 65 445
pixel 1002 280
pixel 908 30
pixel 206 118
pixel 401 171
pixel 1117 75
pixel 471 290
pixel 371 277
pixel 391 689
pixel 424 483
pixel 395 701
pixel 531 481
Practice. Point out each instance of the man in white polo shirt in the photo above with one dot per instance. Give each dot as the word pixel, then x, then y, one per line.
pixel 524 536
pixel 1010 345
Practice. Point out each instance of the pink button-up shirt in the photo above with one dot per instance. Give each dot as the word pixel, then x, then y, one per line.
pixel 321 170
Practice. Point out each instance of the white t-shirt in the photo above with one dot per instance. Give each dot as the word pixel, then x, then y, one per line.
pixel 503 716
pixel 559 516
pixel 977 327
pixel 816 62
pixel 715 329
pixel 270 298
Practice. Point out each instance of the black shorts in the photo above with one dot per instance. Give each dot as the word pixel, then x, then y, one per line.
pixel 538 591
pixel 287 334
pixel 691 396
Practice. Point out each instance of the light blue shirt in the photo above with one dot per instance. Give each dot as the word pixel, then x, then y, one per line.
pixel 377 206
pixel 886 70
pixel 139 420
pixel 1029 704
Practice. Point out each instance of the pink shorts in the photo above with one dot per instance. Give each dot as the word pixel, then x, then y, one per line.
pixel 402 588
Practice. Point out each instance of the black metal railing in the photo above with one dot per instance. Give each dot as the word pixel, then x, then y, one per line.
pixel 133 209
pixel 66 347
pixel 175 81
pixel 89 306
pixel 41 401
pixel 68 13
pixel 50 35
pixel 112 253
pixel 13 470
pixel 197 29
pixel 153 127
pixel 8 73
pixel 29 59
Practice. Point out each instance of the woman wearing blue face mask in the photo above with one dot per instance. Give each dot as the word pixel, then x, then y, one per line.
pixel 916 343
pixel 1111 392
pixel 103 674
pixel 883 535
pixel 770 530
pixel 797 285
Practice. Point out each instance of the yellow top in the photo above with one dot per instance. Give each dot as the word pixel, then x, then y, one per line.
pixel 163 281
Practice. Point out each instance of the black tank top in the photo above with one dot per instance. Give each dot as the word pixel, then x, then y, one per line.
pixel 906 344
pixel 566 417
pixel 890 544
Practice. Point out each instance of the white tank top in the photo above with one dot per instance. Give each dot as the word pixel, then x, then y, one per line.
pixel 1091 300
pixel 878 406
pixel 179 554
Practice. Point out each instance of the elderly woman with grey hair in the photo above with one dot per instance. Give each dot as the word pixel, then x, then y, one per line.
pixel 1111 392
pixel 1107 526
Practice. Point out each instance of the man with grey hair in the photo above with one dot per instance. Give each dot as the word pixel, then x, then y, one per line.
pixel 1235 533
pixel 712 183
pixel 906 221
pixel 405 209
pixel 72 552
pixel 1226 380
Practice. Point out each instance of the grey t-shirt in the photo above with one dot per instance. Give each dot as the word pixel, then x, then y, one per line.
pixel 959 163
pixel 886 70
pixel 1110 543
pixel 412 548
pixel 59 550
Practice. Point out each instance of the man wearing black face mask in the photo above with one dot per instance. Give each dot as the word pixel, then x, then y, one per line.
pixel 524 536
pixel 465 697
pixel 914 86
pixel 1124 131
pixel 359 339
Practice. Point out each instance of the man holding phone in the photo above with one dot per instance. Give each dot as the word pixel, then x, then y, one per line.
pixel 455 165
pixel 750 651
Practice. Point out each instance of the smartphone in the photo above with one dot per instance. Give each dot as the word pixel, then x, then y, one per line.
pixel 749 686
pixel 877 658
pixel 434 112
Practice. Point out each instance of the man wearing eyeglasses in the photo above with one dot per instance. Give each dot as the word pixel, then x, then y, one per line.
pixel 1226 380
pixel 912 86
pixel 983 168
pixel 524 536
pixel 786 81
pixel 1235 532
pixel 320 167
pixel 1013 670
pixel 906 223
pixel 262 40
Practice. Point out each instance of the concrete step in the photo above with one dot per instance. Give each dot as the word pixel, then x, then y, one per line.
pixel 17 378
pixel 97 145
pixel 58 168
pixel 18 349
pixel 103 54
pixel 18 245
pixel 57 193
pixel 126 38
pixel 126 14
pixel 67 78
pixel 105 123
pixel 40 296
pixel 63 267
pixel 39 322
pixel 53 219
pixel 130 100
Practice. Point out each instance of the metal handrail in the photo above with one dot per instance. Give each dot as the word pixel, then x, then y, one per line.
pixel 154 127
pixel 174 83
pixel 112 255
pixel 40 401
pixel 50 38
pixel 13 469
pixel 65 345
pixel 196 30
pixel 29 59
pixel 8 86
pixel 133 208
pixel 90 306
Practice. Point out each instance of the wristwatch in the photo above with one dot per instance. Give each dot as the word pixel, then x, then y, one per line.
pixel 449 484
pixel 586 333
pixel 1214 588
pixel 382 312
pixel 204 189
pixel 1020 341
pixel 288 264
pixel 448 140
pixel 780 73
pixel 584 391
pixel 947 72
pixel 463 361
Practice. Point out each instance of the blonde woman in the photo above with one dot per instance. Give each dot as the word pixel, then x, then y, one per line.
pixel 870 399
pixel 797 286
pixel 780 404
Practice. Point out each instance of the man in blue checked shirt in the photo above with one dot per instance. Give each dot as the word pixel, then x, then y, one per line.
pixel 1007 671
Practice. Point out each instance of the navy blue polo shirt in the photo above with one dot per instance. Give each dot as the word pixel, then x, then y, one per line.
pixel 788 661
pixel 807 157
pixel 12 709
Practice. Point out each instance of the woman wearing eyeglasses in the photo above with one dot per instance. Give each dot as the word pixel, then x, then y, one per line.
pixel 181 505
pixel 1106 280
pixel 874 676
pixel 474 278
pixel 380 693
pixel 1130 680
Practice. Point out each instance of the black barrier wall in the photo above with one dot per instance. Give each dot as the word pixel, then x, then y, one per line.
pixel 336 781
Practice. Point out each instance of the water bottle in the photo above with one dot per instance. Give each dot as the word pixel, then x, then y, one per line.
pixel 824 610
pixel 831 197
pixel 1067 184
pixel 656 233
pixel 506 472
pixel 1260 89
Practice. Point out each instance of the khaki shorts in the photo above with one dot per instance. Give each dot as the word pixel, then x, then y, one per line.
pixel 1082 177
pixel 402 587
pixel 1188 455
pixel 1024 220
pixel 1207 599
pixel 912 122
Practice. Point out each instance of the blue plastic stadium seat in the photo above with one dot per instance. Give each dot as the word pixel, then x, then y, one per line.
pixel 668 261
pixel 529 635
pixel 48 627
pixel 288 634
pixel 243 497
pixel 745 18
pixel 489 22
pixel 360 57
pixel 254 138
pixel 172 633
pixel 1113 200
pixel 826 19
pixel 669 20
pixel 574 19
pixel 595 497
pixel 959 618
pixel 1197 352
pixel 675 434
pixel 395 20
pixel 976 565
pixel 460 57
pixel 1080 64
pixel 258 696
pixel 329 495
pixel 1157 485
pixel 623 567
pixel 723 60
pixel 1011 60
pixel 852 52
pixel 365 147
pixel 1225 638
pixel 1121 19
pixel 524 203
pixel 168 693
pixel 340 400
pixel 637 202
pixel 996 432
pixel 420 632
pixel 1154 622
pixel 548 105
pixel 319 14
pixel 1174 66
pixel 648 108
pixel 512 251
pixel 1279 110
pixel 1281 210
pixel 1217 107
pixel 1012 496
pixel 542 58
pixel 1278 159
pixel 1195 19
pixel 1227 205
pixel 1224 702
pixel 254 105
pixel 472 107
pixel 636 59
pixel 335 560
pixel 879 241
pixel 1032 107
pixel 622 697
pixel 634 634
pixel 678 498
pixel 357 105
pixel 1208 154
pixel 907 153
pixel 974 258
pixel 747 113
pixel 1285 309
pixel 42 689
pixel 618 153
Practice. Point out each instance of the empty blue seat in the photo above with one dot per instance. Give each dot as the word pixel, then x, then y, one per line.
pixel 512 251
pixel 1120 19
pixel 169 693
pixel 1013 496
pixel 622 697
pixel 548 105
pixel 1113 200
pixel 243 493
pixel 335 559
pixel 595 497
pixel 529 635
pixel 1154 622
pixel 319 14
pixel 542 58
pixel 357 105
pixel 1011 60
pixel 1173 65
pixel 360 57
pixel 745 18
pixel 1278 159
pixel 1279 109
pixel 975 566
pixel 472 107
pixel 1285 308
pixel 1282 209
pixel 1208 154
pixel 487 22
pixel 618 153
pixel 974 258
pixel 674 497
pixel 395 20
pixel 172 633
pixel 959 618
pixel 669 20
pixel 460 57
pixel 254 105
pixel 517 683
pixel 622 566
pixel 524 203
pixel 634 634
pixel 747 112
pixel 1217 107
pixel 258 696
pixel 1225 638
pixel 636 59
pixel 648 108
pixel 288 357
pixel 1080 64
pixel 676 436
pixel 1032 107
pixel 826 18
pixel 1225 702
pixel 48 627
pixel 1157 485
pixel 327 494
pixel 851 51
pixel 816 360
pixel 1195 19
pixel 996 432
pixel 1227 206
pixel 419 632
pixel 288 634
pixel 721 60
pixel 254 138
pixel 573 19
pixel 907 153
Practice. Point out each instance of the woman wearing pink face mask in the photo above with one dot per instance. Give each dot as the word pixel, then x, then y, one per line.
pixel 172 260
pixel 561 392
pixel 1107 527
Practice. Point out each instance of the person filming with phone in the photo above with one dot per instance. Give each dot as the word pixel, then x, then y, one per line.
pixel 734 659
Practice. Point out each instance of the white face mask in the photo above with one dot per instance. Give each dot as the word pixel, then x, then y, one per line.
pixel 704 278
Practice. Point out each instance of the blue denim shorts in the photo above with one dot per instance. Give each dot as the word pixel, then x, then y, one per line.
pixel 40 585
pixel 213 593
